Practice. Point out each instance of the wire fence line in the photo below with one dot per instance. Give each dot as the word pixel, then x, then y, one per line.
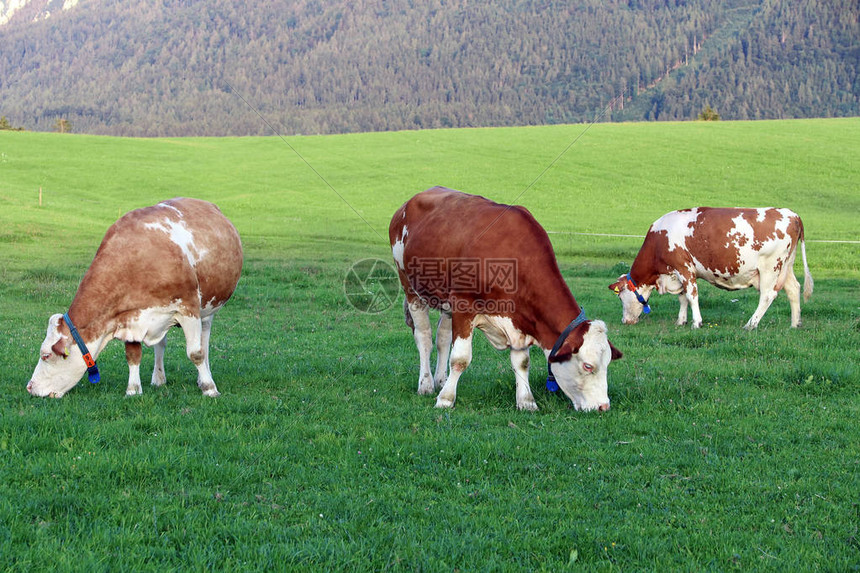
pixel 849 242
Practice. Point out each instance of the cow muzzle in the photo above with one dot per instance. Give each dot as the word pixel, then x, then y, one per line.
pixel 31 391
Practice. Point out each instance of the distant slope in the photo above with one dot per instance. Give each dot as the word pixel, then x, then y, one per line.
pixel 32 10
pixel 778 60
pixel 167 67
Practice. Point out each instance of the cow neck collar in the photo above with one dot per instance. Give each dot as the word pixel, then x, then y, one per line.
pixel 92 368
pixel 633 286
pixel 551 384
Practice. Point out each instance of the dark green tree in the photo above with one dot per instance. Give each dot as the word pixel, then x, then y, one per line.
pixel 6 126
pixel 709 114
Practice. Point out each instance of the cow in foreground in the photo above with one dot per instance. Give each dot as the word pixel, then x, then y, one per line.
pixel 175 263
pixel 490 266
pixel 730 248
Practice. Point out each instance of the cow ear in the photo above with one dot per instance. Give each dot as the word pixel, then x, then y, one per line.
pixel 60 349
pixel 55 342
pixel 614 352
pixel 615 287
pixel 563 355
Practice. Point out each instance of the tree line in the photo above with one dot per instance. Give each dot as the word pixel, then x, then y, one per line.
pixel 177 68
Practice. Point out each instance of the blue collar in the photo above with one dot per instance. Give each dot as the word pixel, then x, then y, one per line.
pixel 632 284
pixel 92 369
pixel 551 384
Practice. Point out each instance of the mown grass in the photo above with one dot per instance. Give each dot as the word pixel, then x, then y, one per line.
pixel 723 450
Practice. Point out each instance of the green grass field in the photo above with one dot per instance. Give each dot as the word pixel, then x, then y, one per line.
pixel 724 449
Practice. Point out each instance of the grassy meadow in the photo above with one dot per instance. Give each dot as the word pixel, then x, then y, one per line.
pixel 723 450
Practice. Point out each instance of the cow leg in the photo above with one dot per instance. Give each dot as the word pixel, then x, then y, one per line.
pixel 520 364
pixel 682 314
pixel 133 354
pixel 159 378
pixel 194 329
pixel 424 341
pixel 461 356
pixel 205 335
pixel 792 291
pixel 444 335
pixel 691 291
pixel 767 294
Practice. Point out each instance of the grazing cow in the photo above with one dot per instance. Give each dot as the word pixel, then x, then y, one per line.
pixel 176 263
pixel 492 267
pixel 730 248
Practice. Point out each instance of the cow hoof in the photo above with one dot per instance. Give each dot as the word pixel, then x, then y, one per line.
pixel 528 405
pixel 444 402
pixel 134 391
pixel 426 385
pixel 696 325
pixel 209 390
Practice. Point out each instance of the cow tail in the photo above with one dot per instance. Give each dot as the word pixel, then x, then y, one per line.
pixel 808 283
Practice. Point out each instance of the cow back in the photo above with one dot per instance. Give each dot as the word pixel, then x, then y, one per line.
pixel 179 250
pixel 446 226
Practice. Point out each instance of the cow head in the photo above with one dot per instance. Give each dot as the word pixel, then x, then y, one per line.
pixel 580 366
pixel 633 299
pixel 60 365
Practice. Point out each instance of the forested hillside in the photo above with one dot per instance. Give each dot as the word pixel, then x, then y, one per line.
pixel 208 67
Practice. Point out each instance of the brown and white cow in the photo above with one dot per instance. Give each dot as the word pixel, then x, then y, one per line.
pixel 730 248
pixel 490 266
pixel 175 263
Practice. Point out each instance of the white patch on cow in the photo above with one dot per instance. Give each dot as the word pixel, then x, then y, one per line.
pixel 398 247
pixel 208 307
pixel 752 254
pixel 784 220
pixel 150 325
pixel 182 237
pixel 583 378
pixel 670 283
pixel 501 332
pixel 742 228
pixel 677 227
pixel 169 206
